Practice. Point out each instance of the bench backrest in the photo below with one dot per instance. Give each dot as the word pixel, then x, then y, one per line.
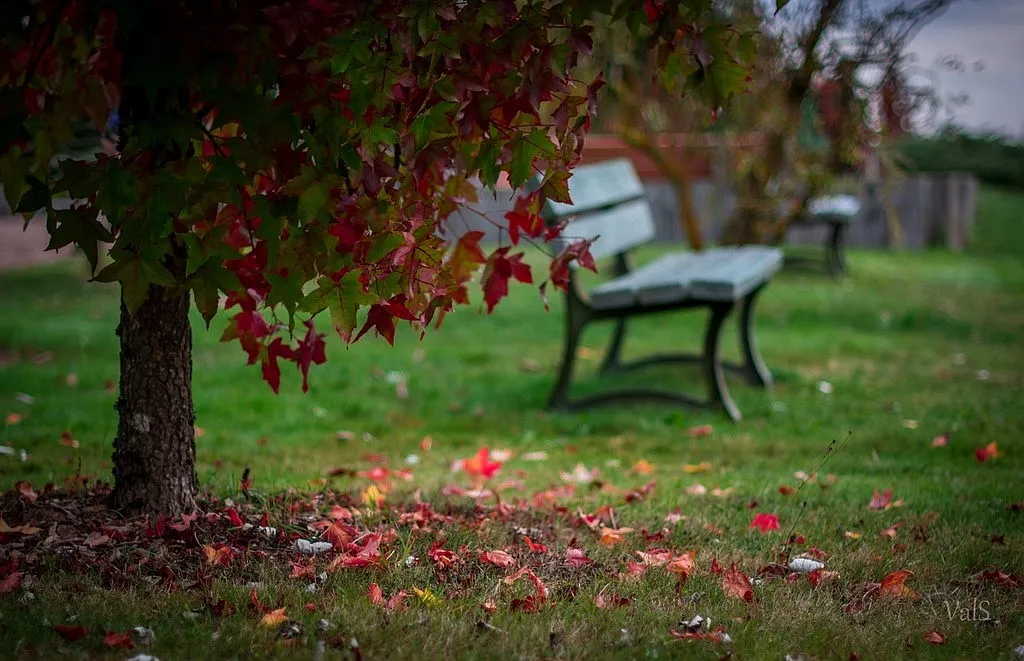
pixel 608 202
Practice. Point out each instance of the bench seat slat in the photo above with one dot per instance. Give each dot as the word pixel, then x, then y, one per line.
pixel 619 229
pixel 720 274
pixel 598 186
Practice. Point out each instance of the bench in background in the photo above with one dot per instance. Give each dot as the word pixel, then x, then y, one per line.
pixel 837 212
pixel 609 204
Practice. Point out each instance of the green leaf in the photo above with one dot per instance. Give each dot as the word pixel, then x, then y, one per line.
pixel 556 187
pixel 313 200
pixel 383 245
pixel 35 198
pixel 779 4
pixel 522 162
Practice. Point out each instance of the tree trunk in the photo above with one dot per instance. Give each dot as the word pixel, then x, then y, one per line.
pixel 155 450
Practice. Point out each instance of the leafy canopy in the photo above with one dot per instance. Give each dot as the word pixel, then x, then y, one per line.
pixel 285 159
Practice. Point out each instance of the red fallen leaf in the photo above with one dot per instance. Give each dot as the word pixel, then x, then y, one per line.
pixel 25 489
pixel 526 572
pixel 819 575
pixel 715 567
pixel 683 565
pixel 634 570
pixel 895 584
pixel 300 570
pixel 489 607
pixel 119 640
pixel 736 584
pixel 1008 581
pixel 219 557
pixel 786 490
pixel 614 601
pixel 481 465
pixel 71 633
pixel 699 431
pixel 442 557
pixel 655 557
pixel 935 638
pixel 274 618
pixel 891 530
pixel 310 607
pixel 67 440
pixel 940 441
pixel 377 473
pixel 990 451
pixel 397 601
pixel 13 418
pixel 12 582
pixel 498 558
pixel 234 517
pixel 881 501
pixel 612 536
pixel 534 546
pixel 376 595
pixel 576 557
pixel 765 522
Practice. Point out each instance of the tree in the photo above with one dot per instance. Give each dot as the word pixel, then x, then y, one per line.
pixel 282 158
pixel 806 101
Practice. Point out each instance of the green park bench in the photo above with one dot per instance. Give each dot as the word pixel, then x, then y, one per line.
pixel 609 204
pixel 836 212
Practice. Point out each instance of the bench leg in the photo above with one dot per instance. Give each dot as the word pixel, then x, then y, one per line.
pixel 834 251
pixel 713 371
pixel 754 369
pixel 575 321
pixel 612 362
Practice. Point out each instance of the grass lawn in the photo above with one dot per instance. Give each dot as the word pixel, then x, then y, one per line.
pixel 913 345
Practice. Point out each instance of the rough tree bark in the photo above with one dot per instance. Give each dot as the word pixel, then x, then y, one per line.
pixel 154 451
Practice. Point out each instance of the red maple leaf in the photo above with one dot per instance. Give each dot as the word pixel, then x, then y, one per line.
pixel 895 584
pixel 382 319
pixel 121 640
pixel 990 451
pixel 12 582
pixel 442 557
pixel 70 632
pixel 736 584
pixel 524 216
pixel 498 558
pixel 880 501
pixel 497 273
pixel 534 546
pixel 481 465
pixel 576 557
pixel 765 522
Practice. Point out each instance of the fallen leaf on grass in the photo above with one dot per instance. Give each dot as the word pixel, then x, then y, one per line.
pixel 611 601
pixel 851 535
pixel 910 424
pixel 534 546
pixel 990 451
pixel 612 536
pixel 12 582
pixel 696 489
pixel 526 572
pixel 71 633
pixel 121 640
pixel 881 501
pixel 699 431
pixel 736 584
pixel 576 557
pixel 274 618
pixel 427 597
pixel 25 489
pixel 765 522
pixel 535 456
pixel 581 475
pixel 13 418
pixel 1008 581
pixel 702 467
pixel 940 441
pixel 498 558
pixel 219 557
pixel 895 584
pixel 682 565
pixel 26 529
pixel 643 467
pixel 786 490
pixel 717 636
pixel 935 638
pixel 891 530
pixel 67 440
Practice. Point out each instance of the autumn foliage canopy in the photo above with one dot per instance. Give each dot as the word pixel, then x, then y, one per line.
pixel 281 159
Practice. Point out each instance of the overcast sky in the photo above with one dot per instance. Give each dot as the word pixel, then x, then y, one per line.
pixel 990 31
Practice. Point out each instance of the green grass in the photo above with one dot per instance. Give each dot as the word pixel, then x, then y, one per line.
pixel 903 339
